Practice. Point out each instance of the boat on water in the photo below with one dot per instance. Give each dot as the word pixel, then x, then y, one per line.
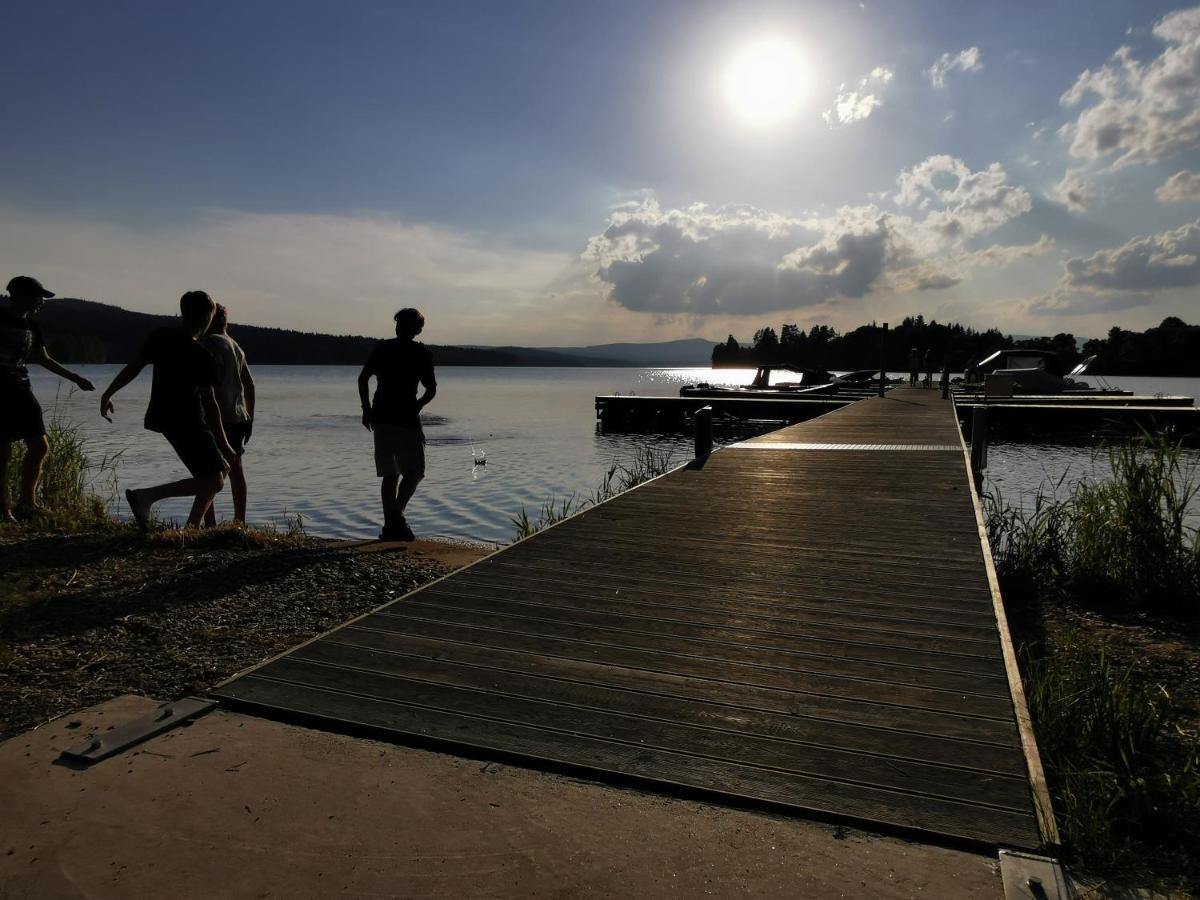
pixel 1018 372
pixel 797 384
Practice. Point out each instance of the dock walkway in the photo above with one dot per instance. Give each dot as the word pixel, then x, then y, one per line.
pixel 805 621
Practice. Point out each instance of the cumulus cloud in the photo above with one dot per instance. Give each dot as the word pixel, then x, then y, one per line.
pixel 740 260
pixel 1182 187
pixel 969 60
pixel 1127 276
pixel 857 104
pixel 1074 190
pixel 960 203
pixel 1141 112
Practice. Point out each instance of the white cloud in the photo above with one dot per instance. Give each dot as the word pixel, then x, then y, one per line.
pixel 960 203
pixel 856 105
pixel 969 60
pixel 335 273
pixel 738 260
pixel 1182 187
pixel 1127 276
pixel 1074 190
pixel 1141 112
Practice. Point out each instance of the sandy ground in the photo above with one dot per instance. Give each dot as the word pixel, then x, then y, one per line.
pixel 451 554
pixel 235 806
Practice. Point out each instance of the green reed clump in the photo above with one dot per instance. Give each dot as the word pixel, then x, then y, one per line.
pixel 1122 543
pixel 647 463
pixel 63 497
pixel 1125 787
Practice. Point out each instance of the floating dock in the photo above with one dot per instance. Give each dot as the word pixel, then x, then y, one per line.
pixel 807 621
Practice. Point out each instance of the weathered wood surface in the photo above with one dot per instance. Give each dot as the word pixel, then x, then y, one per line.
pixel 811 629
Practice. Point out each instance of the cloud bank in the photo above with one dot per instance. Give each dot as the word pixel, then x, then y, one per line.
pixel 740 260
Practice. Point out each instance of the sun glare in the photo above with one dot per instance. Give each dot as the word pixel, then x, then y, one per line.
pixel 766 82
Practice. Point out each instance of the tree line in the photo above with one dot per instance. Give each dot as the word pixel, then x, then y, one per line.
pixel 1171 348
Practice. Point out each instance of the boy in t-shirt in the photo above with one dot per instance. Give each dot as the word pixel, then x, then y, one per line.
pixel 183 408
pixel 399 365
pixel 235 396
pixel 20 413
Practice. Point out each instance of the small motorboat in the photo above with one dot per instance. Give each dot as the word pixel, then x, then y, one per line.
pixel 809 382
pixel 1037 372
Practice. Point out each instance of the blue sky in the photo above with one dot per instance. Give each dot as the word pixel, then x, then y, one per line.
pixel 560 173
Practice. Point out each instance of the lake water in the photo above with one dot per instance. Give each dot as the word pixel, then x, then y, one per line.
pixel 535 427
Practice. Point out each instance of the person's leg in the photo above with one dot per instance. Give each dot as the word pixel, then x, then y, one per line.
pixel 206 489
pixel 36 448
pixel 387 495
pixel 237 487
pixel 210 516
pixel 408 486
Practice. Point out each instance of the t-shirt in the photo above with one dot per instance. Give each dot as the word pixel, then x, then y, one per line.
pixel 19 337
pixel 181 368
pixel 231 363
pixel 399 366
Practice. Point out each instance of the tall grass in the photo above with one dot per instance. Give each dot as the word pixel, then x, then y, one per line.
pixel 647 462
pixel 1124 543
pixel 1126 789
pixel 64 497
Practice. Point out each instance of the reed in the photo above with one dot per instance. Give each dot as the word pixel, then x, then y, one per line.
pixel 1123 543
pixel 1126 787
pixel 647 463
pixel 65 501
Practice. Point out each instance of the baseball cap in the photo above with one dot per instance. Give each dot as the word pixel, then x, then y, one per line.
pixel 28 285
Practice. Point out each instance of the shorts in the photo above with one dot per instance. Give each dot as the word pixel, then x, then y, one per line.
pixel 237 433
pixel 398 450
pixel 20 413
pixel 197 450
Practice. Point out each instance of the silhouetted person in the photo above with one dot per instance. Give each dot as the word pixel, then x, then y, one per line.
pixel 929 367
pixel 914 366
pixel 20 413
pixel 398 365
pixel 183 408
pixel 235 396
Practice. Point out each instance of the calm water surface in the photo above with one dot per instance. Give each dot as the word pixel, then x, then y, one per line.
pixel 535 427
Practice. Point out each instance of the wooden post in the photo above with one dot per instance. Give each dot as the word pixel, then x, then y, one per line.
pixel 883 359
pixel 978 442
pixel 703 426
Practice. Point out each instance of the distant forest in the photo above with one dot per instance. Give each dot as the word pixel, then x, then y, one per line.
pixel 1172 348
pixel 82 331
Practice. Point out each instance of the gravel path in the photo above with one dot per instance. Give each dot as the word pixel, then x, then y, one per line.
pixel 87 617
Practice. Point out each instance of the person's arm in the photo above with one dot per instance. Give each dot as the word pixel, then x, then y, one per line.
pixel 123 378
pixel 212 415
pixel 429 382
pixel 364 393
pixel 248 392
pixel 46 361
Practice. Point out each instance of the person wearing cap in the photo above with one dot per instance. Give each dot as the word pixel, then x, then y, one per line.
pixel 183 409
pixel 20 413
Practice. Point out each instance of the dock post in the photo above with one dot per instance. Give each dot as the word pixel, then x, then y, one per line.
pixel 946 382
pixel 703 426
pixel 978 441
pixel 883 359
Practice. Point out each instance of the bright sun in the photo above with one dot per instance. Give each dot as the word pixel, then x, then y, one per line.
pixel 766 82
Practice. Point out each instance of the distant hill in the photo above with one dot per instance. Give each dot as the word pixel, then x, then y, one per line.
pixel 688 352
pixel 83 331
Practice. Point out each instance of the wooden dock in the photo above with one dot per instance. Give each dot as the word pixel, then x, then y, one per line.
pixel 807 621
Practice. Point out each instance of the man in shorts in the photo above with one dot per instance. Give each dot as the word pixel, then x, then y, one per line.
pixel 235 396
pixel 399 365
pixel 20 413
pixel 183 409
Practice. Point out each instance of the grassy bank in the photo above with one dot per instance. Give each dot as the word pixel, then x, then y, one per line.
pixel 1103 590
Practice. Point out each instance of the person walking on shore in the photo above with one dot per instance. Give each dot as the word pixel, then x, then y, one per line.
pixel 235 396
pixel 394 418
pixel 20 413
pixel 183 409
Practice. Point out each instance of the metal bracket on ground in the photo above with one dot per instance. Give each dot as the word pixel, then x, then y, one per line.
pixel 1028 876
pixel 123 737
